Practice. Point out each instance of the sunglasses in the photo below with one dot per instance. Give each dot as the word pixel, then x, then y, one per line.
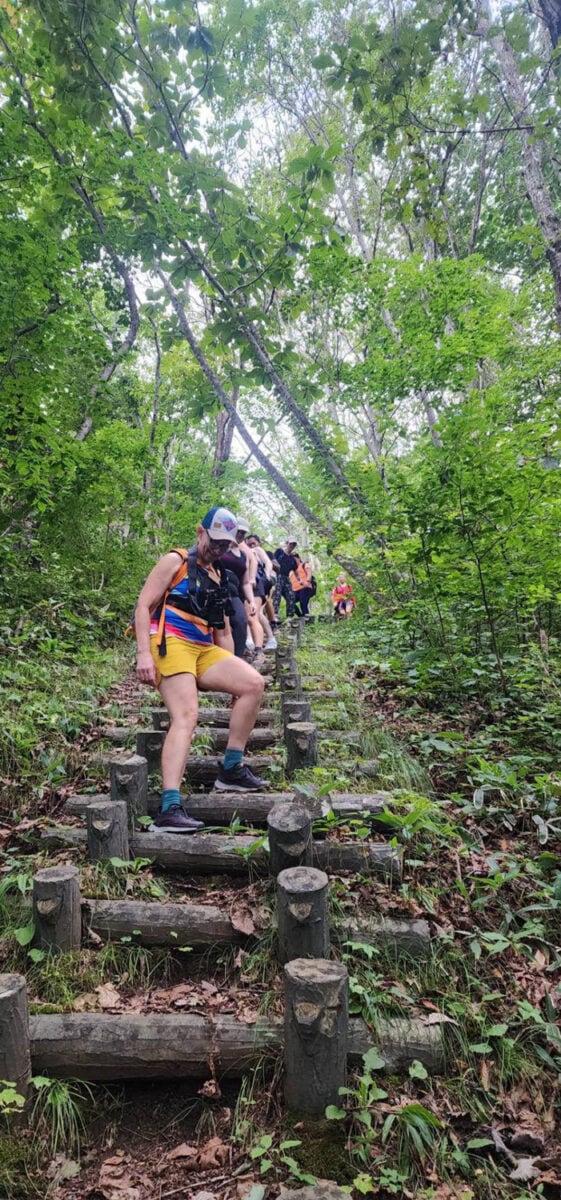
pixel 220 546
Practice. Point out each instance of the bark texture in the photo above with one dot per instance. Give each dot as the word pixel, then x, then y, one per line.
pixel 56 908
pixel 302 914
pixel 316 1024
pixel 107 830
pixel 104 1046
pixel 290 837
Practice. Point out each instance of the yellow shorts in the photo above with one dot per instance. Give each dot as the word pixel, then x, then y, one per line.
pixel 185 658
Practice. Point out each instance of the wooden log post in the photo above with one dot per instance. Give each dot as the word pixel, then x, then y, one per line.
pixel 290 837
pixel 129 782
pixel 301 745
pixel 56 908
pixel 316 1028
pixel 297 627
pixel 302 914
pixel 149 744
pixel 284 660
pixel 294 710
pixel 290 684
pixel 160 719
pixel 15 1058
pixel 107 830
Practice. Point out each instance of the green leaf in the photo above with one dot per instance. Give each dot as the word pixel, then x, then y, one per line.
pixel 418 1071
pixel 497 1030
pixel 335 1114
pixel 321 61
pixel 364 1184
pixel 373 1060
pixel 481 1048
pixel 25 933
pixel 479 1143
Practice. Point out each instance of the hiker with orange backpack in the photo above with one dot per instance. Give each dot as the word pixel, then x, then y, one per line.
pixel 185 646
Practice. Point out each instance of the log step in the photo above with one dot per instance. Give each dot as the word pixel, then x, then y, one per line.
pixel 214 716
pixel 201 771
pixel 253 808
pixel 153 923
pixel 216 738
pixel 104 1047
pixel 217 853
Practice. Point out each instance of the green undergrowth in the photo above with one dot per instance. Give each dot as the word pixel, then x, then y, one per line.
pixel 51 683
pixel 474 788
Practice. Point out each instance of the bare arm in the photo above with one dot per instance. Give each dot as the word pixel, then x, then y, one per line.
pixel 264 558
pixel 247 588
pixel 156 585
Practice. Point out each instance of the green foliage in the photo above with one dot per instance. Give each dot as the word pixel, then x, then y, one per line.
pixel 58 1111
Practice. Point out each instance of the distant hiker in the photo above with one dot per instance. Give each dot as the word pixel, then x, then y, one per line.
pixel 236 563
pixel 284 562
pixel 344 602
pixel 255 626
pixel 264 583
pixel 301 584
pixel 180 617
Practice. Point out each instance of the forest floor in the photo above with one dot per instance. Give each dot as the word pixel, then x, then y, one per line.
pixel 474 801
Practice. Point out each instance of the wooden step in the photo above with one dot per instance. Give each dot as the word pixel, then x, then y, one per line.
pixel 218 808
pixel 216 738
pixel 154 923
pixel 215 853
pixel 213 716
pixel 106 1046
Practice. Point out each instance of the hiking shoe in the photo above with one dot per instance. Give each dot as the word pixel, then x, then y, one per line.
pixel 239 779
pixel 259 659
pixel 271 644
pixel 175 820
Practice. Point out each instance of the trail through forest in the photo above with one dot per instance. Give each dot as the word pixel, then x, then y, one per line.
pixel 303 261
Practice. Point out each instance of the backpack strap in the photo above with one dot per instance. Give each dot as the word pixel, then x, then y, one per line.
pixel 178 577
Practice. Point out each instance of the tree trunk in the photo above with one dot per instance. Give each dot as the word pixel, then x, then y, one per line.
pixel 224 437
pixel 551 11
pixel 537 187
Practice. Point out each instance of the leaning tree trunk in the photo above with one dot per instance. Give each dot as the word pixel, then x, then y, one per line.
pixel 224 437
pixel 551 12
pixel 537 188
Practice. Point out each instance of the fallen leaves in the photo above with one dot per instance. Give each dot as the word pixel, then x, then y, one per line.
pixel 214 1153
pixel 118 1180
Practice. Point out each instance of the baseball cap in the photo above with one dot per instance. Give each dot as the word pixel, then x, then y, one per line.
pixel 220 524
pixel 243 525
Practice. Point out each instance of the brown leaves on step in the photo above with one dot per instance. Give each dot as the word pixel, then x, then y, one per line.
pixel 214 1153
pixel 105 998
pixel 119 1180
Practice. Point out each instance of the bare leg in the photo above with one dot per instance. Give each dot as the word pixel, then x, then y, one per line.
pixel 255 627
pixel 263 618
pixel 237 677
pixel 179 694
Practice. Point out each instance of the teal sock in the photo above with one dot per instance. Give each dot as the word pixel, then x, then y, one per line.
pixel 170 796
pixel 232 758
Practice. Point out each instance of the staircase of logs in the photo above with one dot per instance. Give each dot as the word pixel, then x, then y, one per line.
pixel 317 1038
